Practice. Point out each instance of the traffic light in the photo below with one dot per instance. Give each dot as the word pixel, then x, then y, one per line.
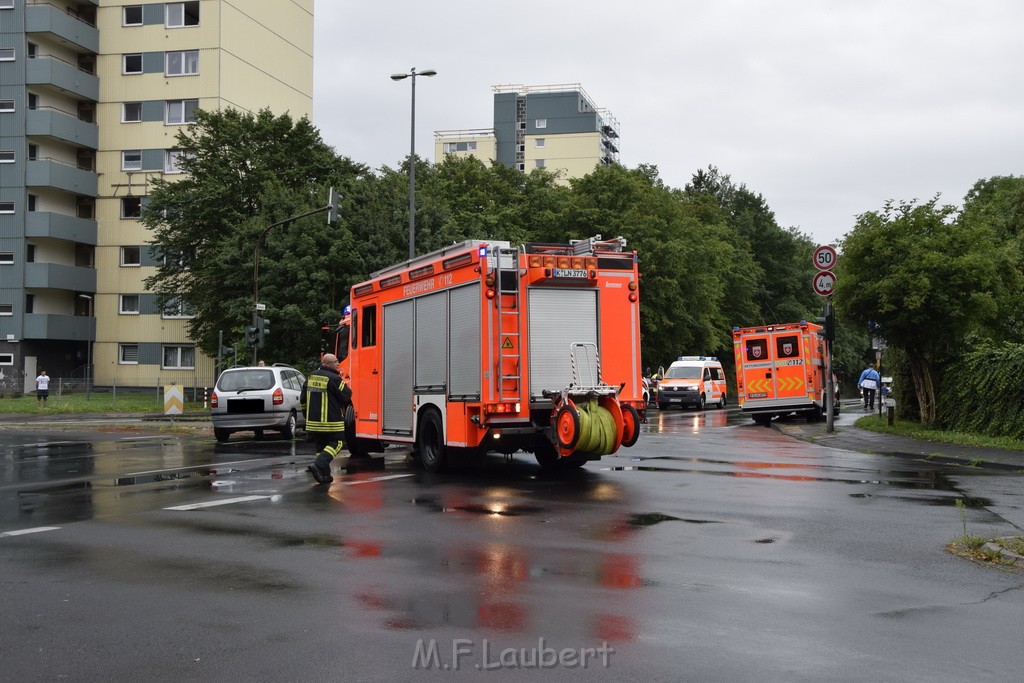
pixel 333 202
pixel 252 336
pixel 262 332
pixel 828 321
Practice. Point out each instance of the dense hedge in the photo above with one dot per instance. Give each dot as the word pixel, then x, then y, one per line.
pixel 982 392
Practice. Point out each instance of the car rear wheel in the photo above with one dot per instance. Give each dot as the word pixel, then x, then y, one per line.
pixel 288 431
pixel 221 435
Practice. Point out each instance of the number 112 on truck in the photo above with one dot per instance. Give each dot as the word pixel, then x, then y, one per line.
pixel 484 346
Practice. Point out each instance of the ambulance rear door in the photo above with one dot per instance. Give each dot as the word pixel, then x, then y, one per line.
pixel 756 367
pixel 790 369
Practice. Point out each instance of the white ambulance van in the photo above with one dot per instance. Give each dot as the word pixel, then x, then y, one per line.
pixel 693 381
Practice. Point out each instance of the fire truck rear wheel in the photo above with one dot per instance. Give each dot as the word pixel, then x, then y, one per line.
pixel 430 442
pixel 546 453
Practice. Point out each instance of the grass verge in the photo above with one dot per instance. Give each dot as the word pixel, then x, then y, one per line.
pixel 876 423
pixel 96 403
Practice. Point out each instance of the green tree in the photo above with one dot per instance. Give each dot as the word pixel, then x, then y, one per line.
pixel 927 279
pixel 778 278
pixel 244 172
pixel 998 203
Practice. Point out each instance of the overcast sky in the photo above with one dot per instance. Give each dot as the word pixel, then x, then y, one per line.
pixel 827 109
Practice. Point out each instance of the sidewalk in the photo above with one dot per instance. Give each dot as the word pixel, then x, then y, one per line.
pixel 851 438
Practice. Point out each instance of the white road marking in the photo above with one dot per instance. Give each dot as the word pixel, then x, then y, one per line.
pixel 245 499
pixel 35 530
pixel 367 481
pixel 215 503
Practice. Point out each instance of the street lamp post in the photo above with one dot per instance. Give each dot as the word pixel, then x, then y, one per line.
pixel 412 154
pixel 88 348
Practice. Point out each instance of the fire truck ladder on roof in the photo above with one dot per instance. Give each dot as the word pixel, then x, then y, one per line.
pixel 506 275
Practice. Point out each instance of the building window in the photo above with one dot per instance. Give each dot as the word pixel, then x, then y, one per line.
pixel 538 163
pixel 131 15
pixel 179 358
pixel 180 111
pixel 540 123
pixel 539 142
pixel 6 358
pixel 128 354
pixel 129 304
pixel 6 207
pixel 182 14
pixel 6 105
pixel 172 161
pixel 33 152
pixel 6 309
pixel 30 303
pixel 32 199
pixel 6 54
pixel 183 63
pixel 131 64
pixel 131 160
pixel 131 207
pixel 177 307
pixel 131 256
pixel 6 4
pixel 6 156
pixel 6 258
pixel 131 112
pixel 521 166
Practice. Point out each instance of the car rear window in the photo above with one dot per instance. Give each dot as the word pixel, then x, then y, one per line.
pixel 250 380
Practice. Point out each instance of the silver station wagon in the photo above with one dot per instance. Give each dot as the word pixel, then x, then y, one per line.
pixel 255 399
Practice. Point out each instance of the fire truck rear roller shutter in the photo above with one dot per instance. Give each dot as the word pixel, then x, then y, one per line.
pixel 558 318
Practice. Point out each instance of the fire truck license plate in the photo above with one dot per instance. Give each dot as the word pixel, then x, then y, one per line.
pixel 569 272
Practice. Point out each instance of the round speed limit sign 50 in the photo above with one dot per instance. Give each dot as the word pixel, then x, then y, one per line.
pixel 824 258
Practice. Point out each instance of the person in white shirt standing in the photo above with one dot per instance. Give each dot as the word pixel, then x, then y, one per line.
pixel 42 388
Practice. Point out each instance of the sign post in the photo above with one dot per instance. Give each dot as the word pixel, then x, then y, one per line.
pixel 824 281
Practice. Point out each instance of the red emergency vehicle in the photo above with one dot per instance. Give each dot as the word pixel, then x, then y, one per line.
pixel 780 369
pixel 483 346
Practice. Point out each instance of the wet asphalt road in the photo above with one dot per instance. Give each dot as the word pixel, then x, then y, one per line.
pixel 713 550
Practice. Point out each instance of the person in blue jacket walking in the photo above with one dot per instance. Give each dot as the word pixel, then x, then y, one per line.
pixel 868 382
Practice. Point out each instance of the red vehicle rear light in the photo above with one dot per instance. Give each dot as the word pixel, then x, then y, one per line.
pixel 278 397
pixel 213 399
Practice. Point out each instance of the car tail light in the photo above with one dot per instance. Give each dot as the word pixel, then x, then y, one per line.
pixel 278 397
pixel 213 399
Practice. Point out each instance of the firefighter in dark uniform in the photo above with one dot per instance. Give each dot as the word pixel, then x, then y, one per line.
pixel 324 400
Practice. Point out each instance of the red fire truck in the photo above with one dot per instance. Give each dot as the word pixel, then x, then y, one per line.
pixel 483 346
pixel 780 369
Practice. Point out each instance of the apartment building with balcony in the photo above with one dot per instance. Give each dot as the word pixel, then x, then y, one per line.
pixel 92 95
pixel 556 127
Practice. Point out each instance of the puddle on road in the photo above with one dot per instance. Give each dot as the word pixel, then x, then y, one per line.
pixel 652 518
